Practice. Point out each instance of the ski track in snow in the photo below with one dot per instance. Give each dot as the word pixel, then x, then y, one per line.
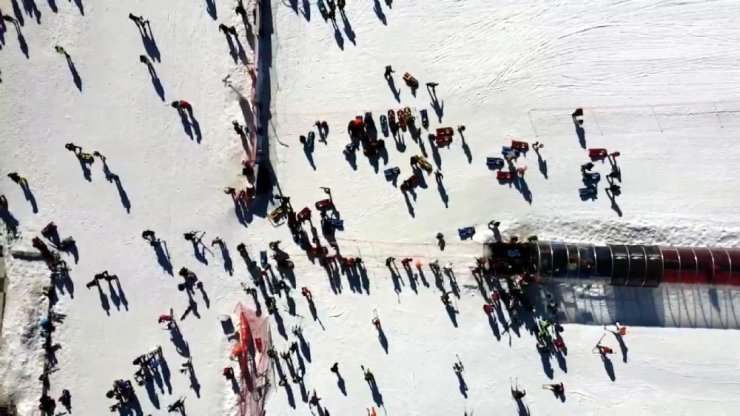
pixel 658 82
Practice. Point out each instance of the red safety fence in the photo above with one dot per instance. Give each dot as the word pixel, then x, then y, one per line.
pixel 254 364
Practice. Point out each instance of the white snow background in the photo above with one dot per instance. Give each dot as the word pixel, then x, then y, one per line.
pixel 658 81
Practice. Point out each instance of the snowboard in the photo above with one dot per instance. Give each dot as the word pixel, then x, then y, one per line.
pixel 424 118
pixel 384 125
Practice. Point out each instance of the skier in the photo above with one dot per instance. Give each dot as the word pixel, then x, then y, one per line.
pixel 340 5
pixel 61 51
pixel 240 10
pixel 406 262
pixel 369 377
pixel 223 28
pixel 178 405
pixel 139 20
pixel 557 388
pixel 144 60
pixel 148 235
pixel 457 368
pixel 73 148
pixel 488 308
pixel 3 203
pixel 49 230
pixel 65 399
pixel 307 293
pixel 376 323
pixel 604 350
pixel 314 401
pixel 271 305
pixel 231 29
pixel 389 261
pixel 520 170
pixel 445 298
pixel 587 167
pixel 238 128
pixel 388 70
pixel 93 282
pixel 619 330
pixel 438 176
pixel 335 368
pixel 614 189
pixel 228 373
pixel 15 177
pixel 518 394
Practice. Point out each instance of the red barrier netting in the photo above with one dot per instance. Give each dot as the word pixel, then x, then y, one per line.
pixel 251 353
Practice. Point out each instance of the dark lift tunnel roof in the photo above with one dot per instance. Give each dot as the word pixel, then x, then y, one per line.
pixel 637 265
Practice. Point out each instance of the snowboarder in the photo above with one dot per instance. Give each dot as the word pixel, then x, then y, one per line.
pixel 388 71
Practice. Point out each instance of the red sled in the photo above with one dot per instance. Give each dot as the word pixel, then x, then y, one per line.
pixel 597 153
pixel 445 131
pixel 324 204
pixel 503 175
pixel 401 119
pixel 304 214
pixel 443 140
pixel 520 146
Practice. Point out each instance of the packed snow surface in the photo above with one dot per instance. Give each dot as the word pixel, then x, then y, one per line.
pixel 657 80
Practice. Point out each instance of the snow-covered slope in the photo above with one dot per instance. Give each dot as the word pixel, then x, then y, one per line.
pixel 656 79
